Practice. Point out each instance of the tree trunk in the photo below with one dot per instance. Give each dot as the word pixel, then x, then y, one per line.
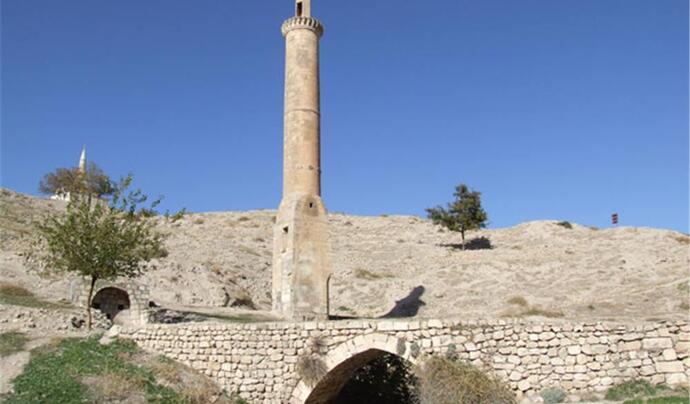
pixel 462 234
pixel 88 303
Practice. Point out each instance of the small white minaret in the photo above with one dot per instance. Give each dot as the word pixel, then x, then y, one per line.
pixel 82 161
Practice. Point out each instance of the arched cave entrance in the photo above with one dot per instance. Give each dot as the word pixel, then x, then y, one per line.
pixel 111 301
pixel 372 376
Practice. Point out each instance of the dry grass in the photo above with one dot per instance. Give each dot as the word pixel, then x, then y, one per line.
pixel 12 342
pixel 311 368
pixel 362 273
pixel 18 296
pixel 518 301
pixel 536 311
pixel 446 381
pixel 193 387
pixel 116 387
pixel 682 238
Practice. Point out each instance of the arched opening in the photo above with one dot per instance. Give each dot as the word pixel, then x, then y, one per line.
pixel 372 376
pixel 111 301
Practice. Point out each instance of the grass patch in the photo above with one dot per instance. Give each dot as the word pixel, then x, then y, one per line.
pixel 682 238
pixel 518 301
pixel 12 342
pixel 632 389
pixel 683 287
pixel 659 400
pixel 233 318
pixel 362 273
pixel 57 374
pixel 536 311
pixel 345 309
pixel 18 296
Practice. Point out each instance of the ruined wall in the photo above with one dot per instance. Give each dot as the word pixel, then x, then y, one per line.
pixel 258 360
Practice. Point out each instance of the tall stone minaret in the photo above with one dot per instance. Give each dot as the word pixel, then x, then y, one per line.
pixel 301 246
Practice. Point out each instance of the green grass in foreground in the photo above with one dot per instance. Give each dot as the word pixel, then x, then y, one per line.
pixel 638 391
pixel 55 374
pixel 660 400
pixel 12 342
pixel 18 296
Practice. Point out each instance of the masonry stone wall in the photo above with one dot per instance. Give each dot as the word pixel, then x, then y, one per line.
pixel 137 294
pixel 258 360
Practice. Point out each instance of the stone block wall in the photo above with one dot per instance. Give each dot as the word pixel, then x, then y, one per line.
pixel 258 360
pixel 137 294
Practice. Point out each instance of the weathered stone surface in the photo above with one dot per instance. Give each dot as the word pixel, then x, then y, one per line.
pixel 259 359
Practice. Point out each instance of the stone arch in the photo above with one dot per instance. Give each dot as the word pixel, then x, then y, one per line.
pixel 137 294
pixel 111 301
pixel 344 360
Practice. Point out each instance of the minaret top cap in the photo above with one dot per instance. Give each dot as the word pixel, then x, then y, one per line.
pixel 302 19
pixel 303 8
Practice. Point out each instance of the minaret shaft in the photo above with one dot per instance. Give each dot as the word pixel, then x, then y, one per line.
pixel 301 246
pixel 302 118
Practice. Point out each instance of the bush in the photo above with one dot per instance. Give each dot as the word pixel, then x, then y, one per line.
pixel 311 369
pixel 565 224
pixel 553 395
pixel 445 381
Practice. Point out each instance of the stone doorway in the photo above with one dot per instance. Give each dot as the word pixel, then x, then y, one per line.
pixel 111 301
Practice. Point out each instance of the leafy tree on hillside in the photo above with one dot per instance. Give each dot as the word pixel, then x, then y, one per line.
pixel 93 181
pixel 463 214
pixel 99 239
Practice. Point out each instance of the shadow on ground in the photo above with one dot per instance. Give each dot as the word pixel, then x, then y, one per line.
pixel 408 306
pixel 477 243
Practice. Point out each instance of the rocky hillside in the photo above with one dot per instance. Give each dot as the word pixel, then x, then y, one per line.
pixel 402 266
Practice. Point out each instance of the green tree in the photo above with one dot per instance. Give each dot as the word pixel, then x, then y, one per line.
pixel 101 240
pixel 92 181
pixel 463 214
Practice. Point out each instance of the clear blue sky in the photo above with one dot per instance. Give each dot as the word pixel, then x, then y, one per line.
pixel 569 109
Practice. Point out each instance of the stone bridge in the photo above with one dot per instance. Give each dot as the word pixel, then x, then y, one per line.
pixel 259 360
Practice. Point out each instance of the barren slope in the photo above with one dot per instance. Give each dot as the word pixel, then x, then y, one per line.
pixel 404 265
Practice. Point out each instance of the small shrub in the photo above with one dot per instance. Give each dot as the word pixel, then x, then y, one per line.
pixel 518 301
pixel 12 342
pixel 565 224
pixel 243 219
pixel 199 220
pixel 311 368
pixel 635 388
pixel 536 311
pixel 362 273
pixel 683 287
pixel 682 238
pixel 553 395
pixel 442 381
